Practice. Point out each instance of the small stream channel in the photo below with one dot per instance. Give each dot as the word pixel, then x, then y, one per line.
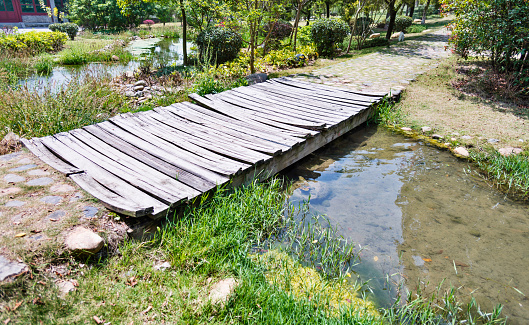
pixel 169 51
pixel 423 214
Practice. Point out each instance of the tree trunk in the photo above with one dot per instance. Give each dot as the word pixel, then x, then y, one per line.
pixel 308 17
pixel 184 31
pixel 423 21
pixel 353 31
pixel 252 49
pixel 296 24
pixel 392 15
pixel 328 8
pixel 412 9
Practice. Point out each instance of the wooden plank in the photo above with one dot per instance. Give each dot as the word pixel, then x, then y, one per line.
pixel 218 132
pixel 268 99
pixel 201 178
pixel 39 150
pixel 109 199
pixel 232 151
pixel 185 151
pixel 320 87
pixel 102 176
pixel 260 130
pixel 189 114
pixel 283 117
pixel 137 178
pixel 159 171
pixel 243 115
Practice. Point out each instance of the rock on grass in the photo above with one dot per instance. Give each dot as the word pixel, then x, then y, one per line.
pixel 83 241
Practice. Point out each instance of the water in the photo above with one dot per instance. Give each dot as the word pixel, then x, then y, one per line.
pixel 421 214
pixel 168 51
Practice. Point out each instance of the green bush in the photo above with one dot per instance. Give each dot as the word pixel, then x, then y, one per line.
pixel 44 64
pixel 69 28
pixel 32 43
pixel 415 28
pixel 219 44
pixel 403 22
pixel 304 37
pixel 326 33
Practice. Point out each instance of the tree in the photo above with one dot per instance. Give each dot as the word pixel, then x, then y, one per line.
pixel 392 15
pixel 423 20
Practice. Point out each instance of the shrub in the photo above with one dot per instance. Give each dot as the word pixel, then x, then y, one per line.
pixel 281 30
pixel 403 22
pixel 362 26
pixel 415 28
pixel 326 33
pixel 44 64
pixel 219 43
pixel 304 37
pixel 32 43
pixel 69 28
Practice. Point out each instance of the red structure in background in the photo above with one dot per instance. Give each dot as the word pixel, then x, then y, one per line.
pixel 26 11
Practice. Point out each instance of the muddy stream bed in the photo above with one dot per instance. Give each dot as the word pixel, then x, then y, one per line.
pixel 422 214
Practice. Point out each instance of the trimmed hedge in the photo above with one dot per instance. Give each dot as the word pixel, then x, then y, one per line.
pixel 33 42
pixel 326 33
pixel 69 28
pixel 219 43
pixel 403 22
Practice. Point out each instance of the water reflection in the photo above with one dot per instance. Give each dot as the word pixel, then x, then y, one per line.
pixel 417 211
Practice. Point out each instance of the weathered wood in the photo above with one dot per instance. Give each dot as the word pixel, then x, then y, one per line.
pixel 143 164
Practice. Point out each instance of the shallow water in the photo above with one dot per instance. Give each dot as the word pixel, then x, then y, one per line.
pixel 423 214
pixel 169 51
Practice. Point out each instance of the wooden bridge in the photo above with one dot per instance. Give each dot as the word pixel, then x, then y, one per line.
pixel 142 164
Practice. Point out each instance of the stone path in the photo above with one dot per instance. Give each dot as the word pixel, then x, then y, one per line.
pixel 389 69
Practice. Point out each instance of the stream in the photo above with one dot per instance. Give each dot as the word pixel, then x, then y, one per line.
pixel 421 214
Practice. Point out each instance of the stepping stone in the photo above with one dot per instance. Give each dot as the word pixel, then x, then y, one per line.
pixel 62 188
pixel 492 141
pixel 90 212
pixel 24 161
pixel 38 172
pixel 22 168
pixel 76 197
pixel 426 129
pixel 51 199
pixel 83 241
pixel 12 178
pixel 10 269
pixel 43 181
pixel 14 203
pixel 10 156
pixel 36 237
pixel 7 191
pixel 466 137
pixel 461 151
pixel 57 215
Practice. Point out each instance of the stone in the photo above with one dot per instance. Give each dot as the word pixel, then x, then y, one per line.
pixel 426 129
pixel 221 290
pixel 10 156
pixel 256 78
pixel 23 168
pixel 82 240
pixel 138 94
pixel 375 35
pixel 129 74
pixel 90 212
pixel 462 151
pixel 42 181
pixel 406 129
pixel 10 269
pixel 14 204
pixel 493 141
pixel 130 93
pixel 57 215
pixel 38 172
pixel 437 136
pixel 163 266
pixel 8 191
pixel 65 286
pixel 62 188
pixel 140 83
pixel 24 161
pixel 76 197
pixel 51 199
pixel 10 139
pixel 12 178
pixel 138 88
pixel 417 20
pixel 115 57
pixel 466 137
pixel 507 151
pixel 401 36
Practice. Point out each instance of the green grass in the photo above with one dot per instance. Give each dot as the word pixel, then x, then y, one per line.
pixel 83 51
pixel 31 113
pixel 219 238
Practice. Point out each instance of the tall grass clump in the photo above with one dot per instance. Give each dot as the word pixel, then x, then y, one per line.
pixel 97 51
pixel 44 64
pixel 40 112
pixel 510 171
pixel 387 113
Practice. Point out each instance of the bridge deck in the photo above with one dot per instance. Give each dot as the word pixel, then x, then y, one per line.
pixel 144 163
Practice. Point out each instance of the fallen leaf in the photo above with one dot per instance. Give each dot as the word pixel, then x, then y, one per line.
pixel 375 258
pixel 53 220
pixel 20 234
pixel 36 231
pixel 17 305
pixel 75 283
pixel 42 282
pixel 146 310
pixel 461 264
pixel 348 274
pixel 427 260
pixel 132 281
pixel 97 320
pixel 37 301
pixel 7 321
